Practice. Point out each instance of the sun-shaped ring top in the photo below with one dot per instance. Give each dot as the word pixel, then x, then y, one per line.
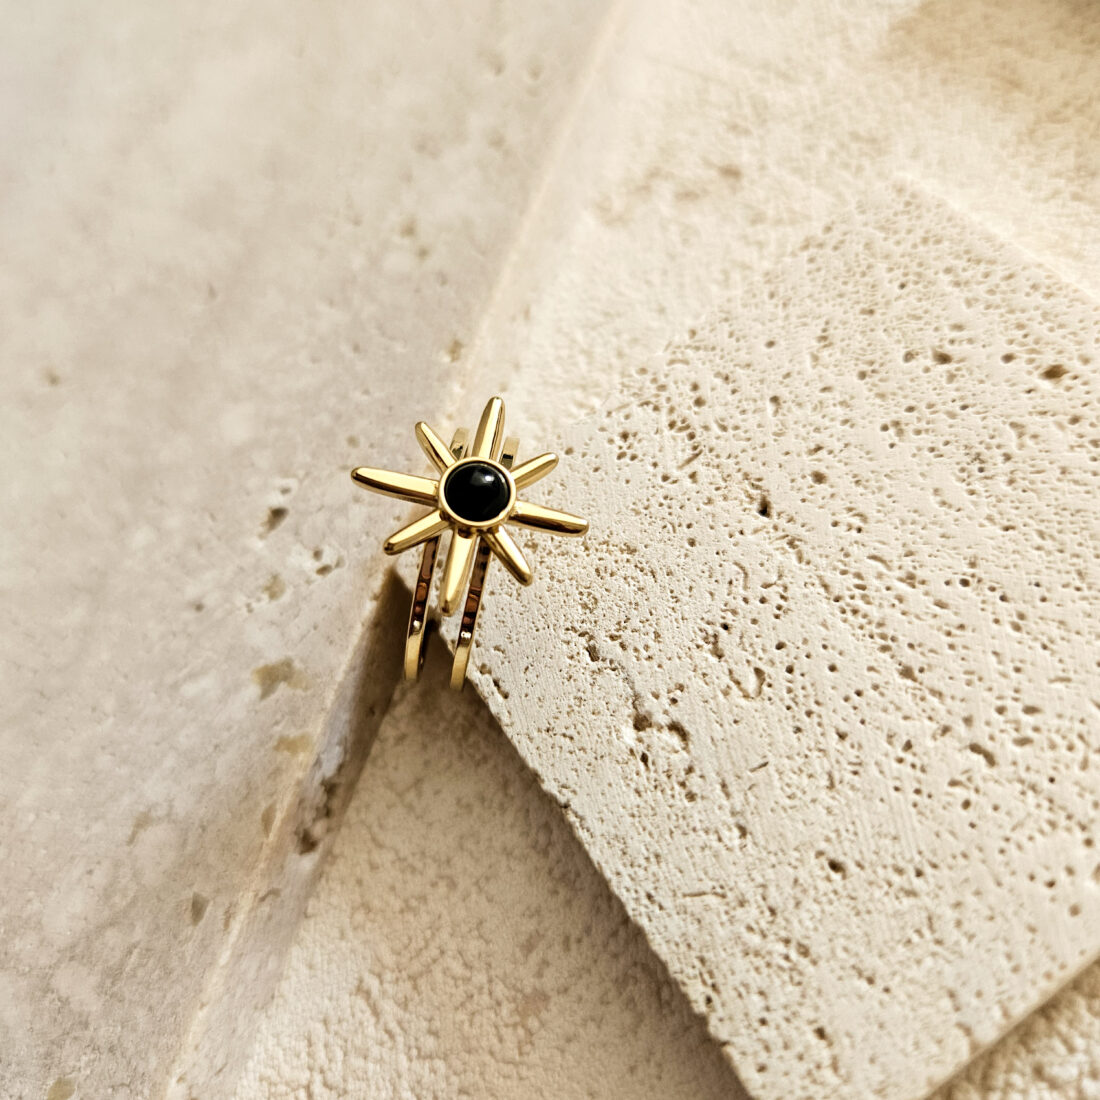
pixel 474 497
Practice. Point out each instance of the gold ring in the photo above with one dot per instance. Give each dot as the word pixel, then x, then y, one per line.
pixel 474 495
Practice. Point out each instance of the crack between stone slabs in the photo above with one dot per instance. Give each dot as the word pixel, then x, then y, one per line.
pixel 1013 1030
pixel 359 702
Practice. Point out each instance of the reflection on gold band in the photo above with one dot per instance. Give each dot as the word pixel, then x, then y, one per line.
pixel 464 643
pixel 417 633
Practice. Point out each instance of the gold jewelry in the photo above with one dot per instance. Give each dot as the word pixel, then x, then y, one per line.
pixel 475 495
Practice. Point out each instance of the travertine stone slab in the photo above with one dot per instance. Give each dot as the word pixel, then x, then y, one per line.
pixel 713 137
pixel 819 691
pixel 460 942
pixel 460 939
pixel 226 233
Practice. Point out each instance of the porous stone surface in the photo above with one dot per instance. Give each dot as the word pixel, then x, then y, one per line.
pixel 225 235
pixel 712 137
pixel 245 252
pixel 1053 1055
pixel 460 942
pixel 818 692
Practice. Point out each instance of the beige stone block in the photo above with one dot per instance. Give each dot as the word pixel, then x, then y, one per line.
pixel 225 234
pixel 713 137
pixel 460 942
pixel 227 238
pixel 460 938
pixel 818 694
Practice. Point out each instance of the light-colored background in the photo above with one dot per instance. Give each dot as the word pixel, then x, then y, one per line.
pixel 243 252
pixel 818 696
pixel 460 943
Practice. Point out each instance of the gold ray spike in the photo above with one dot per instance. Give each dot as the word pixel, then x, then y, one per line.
pixel 527 514
pixel 490 430
pixel 534 469
pixel 474 497
pixel 459 559
pixel 415 533
pixel 434 447
pixel 420 490
pixel 511 556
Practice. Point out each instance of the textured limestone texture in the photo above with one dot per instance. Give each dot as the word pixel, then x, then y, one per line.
pixel 819 695
pixel 245 250
pixel 225 234
pixel 712 137
pixel 1053 1055
pixel 460 942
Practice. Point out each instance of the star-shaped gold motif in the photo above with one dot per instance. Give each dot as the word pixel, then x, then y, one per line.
pixel 475 495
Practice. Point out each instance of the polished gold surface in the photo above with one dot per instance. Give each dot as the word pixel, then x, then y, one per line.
pixel 417 632
pixel 490 430
pixel 413 534
pixel 464 643
pixel 460 558
pixel 527 514
pixel 435 448
pixel 506 548
pixel 473 542
pixel 527 473
pixel 420 490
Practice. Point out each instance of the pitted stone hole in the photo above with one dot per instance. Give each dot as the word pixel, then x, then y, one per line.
pixel 681 734
pixel 764 508
pixel 62 1089
pixel 836 867
pixel 985 753
pixel 275 517
pixel 199 905
pixel 310 834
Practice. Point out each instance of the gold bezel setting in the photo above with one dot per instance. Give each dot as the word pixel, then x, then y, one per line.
pixel 464 522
